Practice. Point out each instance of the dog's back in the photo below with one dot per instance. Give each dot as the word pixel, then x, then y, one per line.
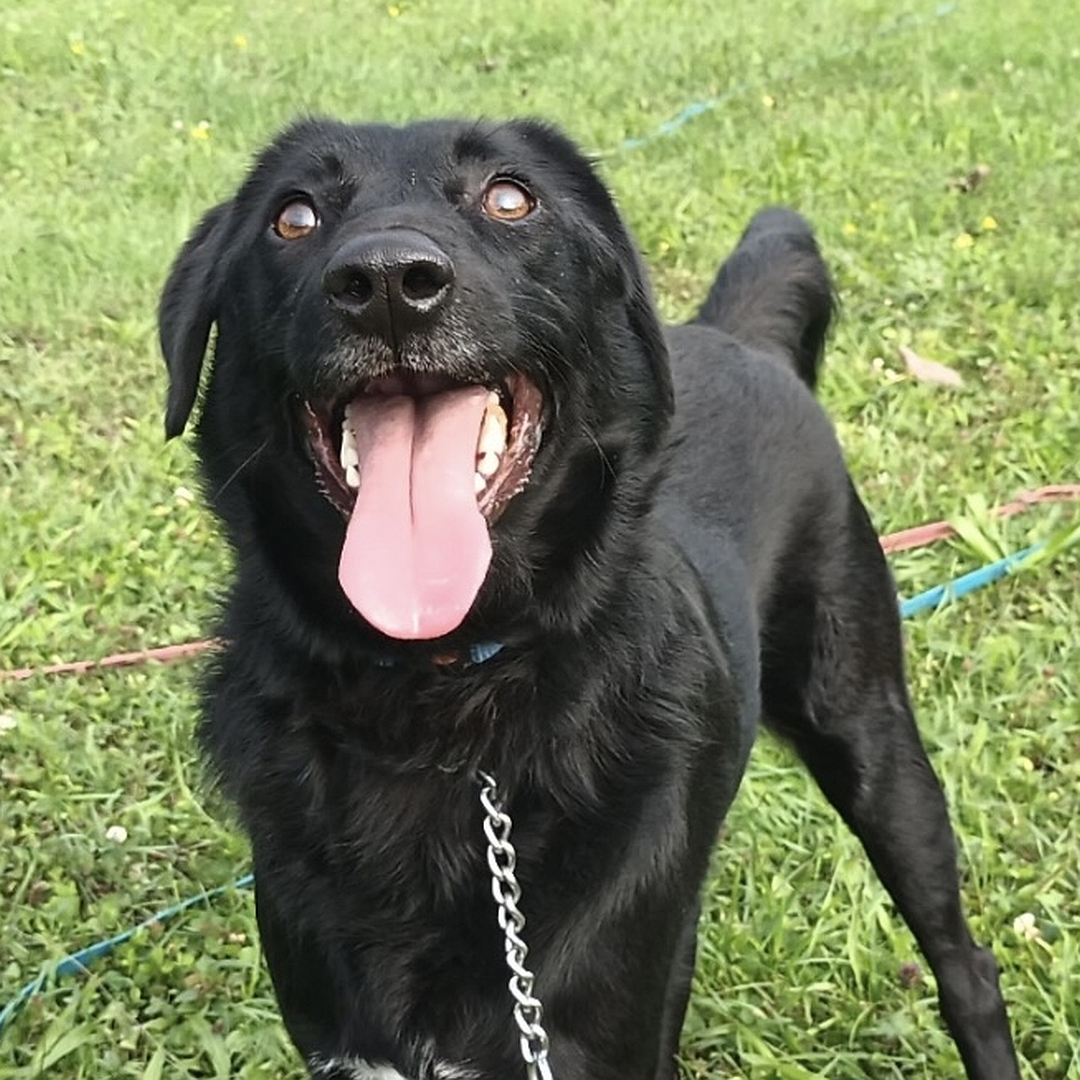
pixel 751 448
pixel 761 505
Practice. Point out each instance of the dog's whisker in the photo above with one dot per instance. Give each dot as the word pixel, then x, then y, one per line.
pixel 249 460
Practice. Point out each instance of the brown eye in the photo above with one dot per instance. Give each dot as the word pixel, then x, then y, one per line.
pixel 296 220
pixel 507 200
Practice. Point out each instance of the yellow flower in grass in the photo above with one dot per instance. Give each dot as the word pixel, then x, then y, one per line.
pixel 964 241
pixel 201 131
pixel 240 41
pixel 988 224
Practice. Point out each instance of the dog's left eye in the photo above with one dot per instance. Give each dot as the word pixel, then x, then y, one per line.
pixel 507 200
pixel 295 220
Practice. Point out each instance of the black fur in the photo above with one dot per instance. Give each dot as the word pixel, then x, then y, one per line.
pixel 689 555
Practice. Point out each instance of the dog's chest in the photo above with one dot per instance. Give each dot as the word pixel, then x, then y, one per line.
pixel 357 1068
pixel 353 1068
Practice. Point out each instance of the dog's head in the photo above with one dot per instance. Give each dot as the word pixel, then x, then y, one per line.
pixel 439 384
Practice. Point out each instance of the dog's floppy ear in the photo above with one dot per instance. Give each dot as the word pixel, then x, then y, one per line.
pixel 188 308
pixel 646 326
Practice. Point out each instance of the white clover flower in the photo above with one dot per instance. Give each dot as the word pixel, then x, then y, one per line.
pixel 1025 926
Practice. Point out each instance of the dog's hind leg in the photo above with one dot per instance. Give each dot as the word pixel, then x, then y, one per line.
pixel 833 685
pixel 678 996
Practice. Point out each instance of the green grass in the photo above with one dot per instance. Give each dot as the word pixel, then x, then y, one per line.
pixel 120 120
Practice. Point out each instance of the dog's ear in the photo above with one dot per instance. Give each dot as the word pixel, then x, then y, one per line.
pixel 188 308
pixel 646 326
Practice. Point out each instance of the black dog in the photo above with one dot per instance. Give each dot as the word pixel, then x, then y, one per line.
pixel 494 526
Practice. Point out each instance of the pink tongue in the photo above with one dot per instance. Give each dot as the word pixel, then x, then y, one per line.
pixel 416 549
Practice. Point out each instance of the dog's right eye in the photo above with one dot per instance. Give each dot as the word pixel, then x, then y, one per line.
pixel 295 220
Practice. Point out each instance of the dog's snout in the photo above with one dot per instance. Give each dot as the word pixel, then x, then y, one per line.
pixel 390 283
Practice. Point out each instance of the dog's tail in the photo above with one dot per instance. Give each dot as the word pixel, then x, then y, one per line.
pixel 774 291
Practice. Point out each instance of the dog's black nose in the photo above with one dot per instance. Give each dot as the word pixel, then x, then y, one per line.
pixel 390 283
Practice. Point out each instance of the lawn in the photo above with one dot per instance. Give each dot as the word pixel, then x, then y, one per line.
pixel 121 120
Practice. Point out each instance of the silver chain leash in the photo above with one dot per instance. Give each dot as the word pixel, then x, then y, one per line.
pixel 502 859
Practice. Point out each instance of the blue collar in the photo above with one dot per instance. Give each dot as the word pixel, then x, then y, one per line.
pixel 476 653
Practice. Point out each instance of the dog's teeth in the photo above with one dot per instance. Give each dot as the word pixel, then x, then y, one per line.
pixel 493 429
pixel 348 456
pixel 491 442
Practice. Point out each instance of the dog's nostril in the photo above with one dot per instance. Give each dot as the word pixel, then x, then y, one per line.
pixel 349 285
pixel 424 281
pixel 359 289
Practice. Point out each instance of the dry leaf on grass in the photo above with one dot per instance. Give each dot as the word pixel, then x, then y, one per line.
pixel 972 180
pixel 929 371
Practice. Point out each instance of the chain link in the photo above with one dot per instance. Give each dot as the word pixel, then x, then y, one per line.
pixel 502 861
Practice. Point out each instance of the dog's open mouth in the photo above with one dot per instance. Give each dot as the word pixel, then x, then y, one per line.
pixel 422 466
